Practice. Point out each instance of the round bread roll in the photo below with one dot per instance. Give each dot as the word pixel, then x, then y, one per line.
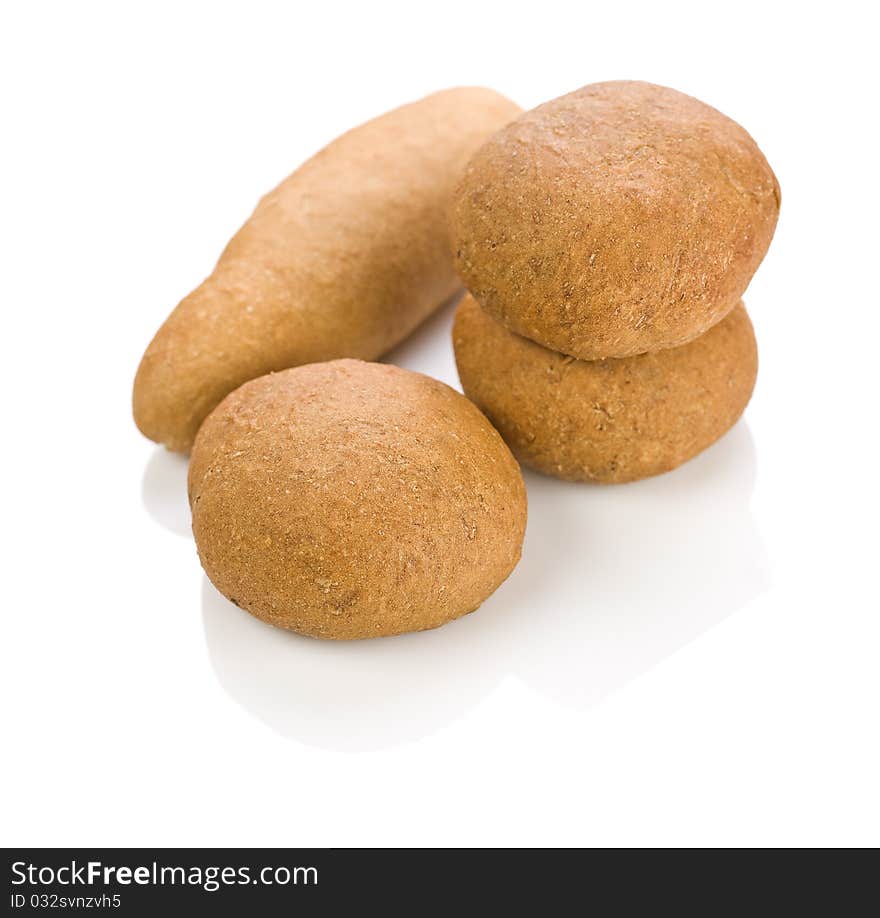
pixel 354 500
pixel 619 219
pixel 611 420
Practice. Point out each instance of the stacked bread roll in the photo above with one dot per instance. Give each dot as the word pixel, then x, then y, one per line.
pixel 607 238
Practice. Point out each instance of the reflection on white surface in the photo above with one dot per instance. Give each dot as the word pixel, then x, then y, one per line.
pixel 613 579
pixel 163 491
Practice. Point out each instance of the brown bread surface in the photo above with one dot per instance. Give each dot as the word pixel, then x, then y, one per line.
pixel 354 500
pixel 343 259
pixel 612 420
pixel 618 219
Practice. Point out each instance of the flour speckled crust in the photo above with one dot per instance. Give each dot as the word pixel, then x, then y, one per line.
pixel 354 500
pixel 343 259
pixel 610 420
pixel 616 220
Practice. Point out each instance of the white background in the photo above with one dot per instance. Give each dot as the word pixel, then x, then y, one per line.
pixel 691 660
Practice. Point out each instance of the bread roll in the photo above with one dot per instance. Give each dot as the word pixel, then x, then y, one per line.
pixel 343 259
pixel 354 500
pixel 618 219
pixel 611 420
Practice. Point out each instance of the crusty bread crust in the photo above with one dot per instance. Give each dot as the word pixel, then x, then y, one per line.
pixel 618 219
pixel 354 500
pixel 343 259
pixel 610 420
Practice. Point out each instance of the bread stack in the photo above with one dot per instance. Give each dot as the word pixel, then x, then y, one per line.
pixel 607 238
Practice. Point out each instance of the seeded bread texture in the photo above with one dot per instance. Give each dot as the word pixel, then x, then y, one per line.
pixel 612 420
pixel 343 259
pixel 354 500
pixel 618 219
